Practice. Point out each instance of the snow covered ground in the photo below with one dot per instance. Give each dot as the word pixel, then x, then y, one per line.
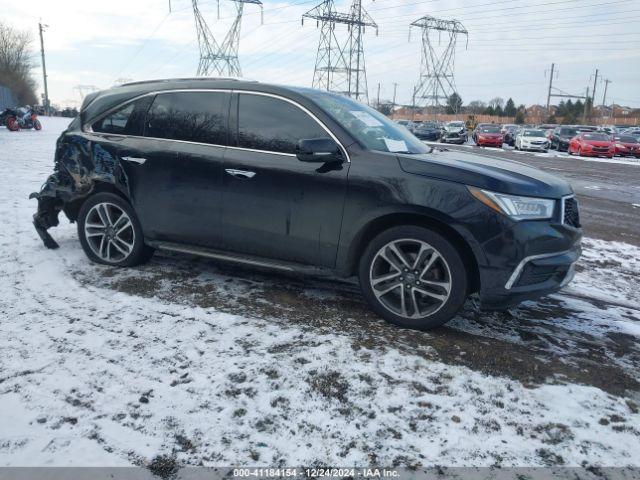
pixel 188 361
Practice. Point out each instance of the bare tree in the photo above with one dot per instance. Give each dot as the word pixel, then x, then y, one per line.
pixel 476 107
pixel 16 62
pixel 496 102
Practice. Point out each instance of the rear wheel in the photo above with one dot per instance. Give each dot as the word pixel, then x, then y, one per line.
pixel 110 232
pixel 413 277
pixel 37 125
pixel 12 124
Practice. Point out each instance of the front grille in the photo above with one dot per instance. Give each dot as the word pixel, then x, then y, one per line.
pixel 571 214
pixel 601 149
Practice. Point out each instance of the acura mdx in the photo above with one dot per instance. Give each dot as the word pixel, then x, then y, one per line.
pixel 302 180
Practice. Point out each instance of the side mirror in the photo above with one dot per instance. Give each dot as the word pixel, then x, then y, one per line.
pixel 319 150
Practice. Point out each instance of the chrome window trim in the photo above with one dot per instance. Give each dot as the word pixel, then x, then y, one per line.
pixel 518 270
pixel 87 126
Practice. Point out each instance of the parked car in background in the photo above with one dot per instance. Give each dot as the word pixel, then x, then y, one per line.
pixel 454 132
pixel 474 134
pixel 586 128
pixel 506 127
pixel 510 134
pixel 626 145
pixel 427 131
pixel 592 144
pixel 307 181
pixel 408 124
pixel 489 136
pixel 634 132
pixel 532 139
pixel 608 129
pixel 561 136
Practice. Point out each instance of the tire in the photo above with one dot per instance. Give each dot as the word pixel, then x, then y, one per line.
pixel 437 302
pixel 580 151
pixel 125 249
pixel 12 124
pixel 37 125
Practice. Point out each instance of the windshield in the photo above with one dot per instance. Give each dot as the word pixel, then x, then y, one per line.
pixel 455 124
pixel 368 126
pixel 568 132
pixel 596 136
pixel 490 130
pixel 533 133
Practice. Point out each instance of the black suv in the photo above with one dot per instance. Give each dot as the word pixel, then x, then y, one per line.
pixel 561 136
pixel 302 180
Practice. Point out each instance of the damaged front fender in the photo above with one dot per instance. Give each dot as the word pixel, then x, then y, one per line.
pixel 81 168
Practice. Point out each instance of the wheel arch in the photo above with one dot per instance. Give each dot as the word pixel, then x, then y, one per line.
pixel 72 208
pixel 383 222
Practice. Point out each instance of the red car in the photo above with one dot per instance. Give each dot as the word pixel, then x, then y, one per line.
pixel 626 146
pixel 592 144
pixel 489 136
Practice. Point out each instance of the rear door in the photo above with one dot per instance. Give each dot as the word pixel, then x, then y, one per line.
pixel 176 166
pixel 274 205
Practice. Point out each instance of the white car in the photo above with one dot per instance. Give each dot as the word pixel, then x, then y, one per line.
pixel 532 139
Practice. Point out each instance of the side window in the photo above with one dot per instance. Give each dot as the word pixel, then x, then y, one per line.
pixel 116 122
pixel 190 116
pixel 274 125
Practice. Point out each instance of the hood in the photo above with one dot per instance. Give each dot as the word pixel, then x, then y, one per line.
pixel 490 135
pixel 486 172
pixel 452 128
pixel 597 143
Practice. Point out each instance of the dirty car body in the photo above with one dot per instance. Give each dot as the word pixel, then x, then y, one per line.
pixel 359 196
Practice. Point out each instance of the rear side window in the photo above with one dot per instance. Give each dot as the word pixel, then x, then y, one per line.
pixel 116 122
pixel 189 116
pixel 273 125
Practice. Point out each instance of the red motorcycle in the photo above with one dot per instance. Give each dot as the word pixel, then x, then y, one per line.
pixel 21 118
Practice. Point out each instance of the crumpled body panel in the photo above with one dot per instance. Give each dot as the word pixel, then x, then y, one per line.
pixel 80 166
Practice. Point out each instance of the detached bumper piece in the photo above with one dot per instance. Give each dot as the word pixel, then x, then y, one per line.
pixel 45 218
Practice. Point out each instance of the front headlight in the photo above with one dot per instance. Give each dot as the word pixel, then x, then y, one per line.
pixel 514 206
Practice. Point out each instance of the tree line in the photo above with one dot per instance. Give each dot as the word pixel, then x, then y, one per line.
pixel 495 107
pixel 16 63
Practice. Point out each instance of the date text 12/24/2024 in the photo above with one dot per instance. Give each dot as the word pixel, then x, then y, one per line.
pixel 316 472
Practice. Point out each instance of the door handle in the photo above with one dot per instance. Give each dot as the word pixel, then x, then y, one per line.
pixel 134 159
pixel 240 173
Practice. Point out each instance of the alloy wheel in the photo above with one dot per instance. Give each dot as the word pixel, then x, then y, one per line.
pixel 109 232
pixel 410 278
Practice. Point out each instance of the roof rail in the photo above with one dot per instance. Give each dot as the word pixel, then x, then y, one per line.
pixel 163 80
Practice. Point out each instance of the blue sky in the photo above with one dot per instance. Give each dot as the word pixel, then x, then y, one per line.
pixel 511 44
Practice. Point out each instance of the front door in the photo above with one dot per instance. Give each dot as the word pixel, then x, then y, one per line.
pixel 274 205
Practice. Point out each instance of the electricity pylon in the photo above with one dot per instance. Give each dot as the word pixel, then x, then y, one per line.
pixel 436 82
pixel 340 65
pixel 219 59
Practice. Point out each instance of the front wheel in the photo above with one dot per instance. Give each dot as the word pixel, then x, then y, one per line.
pixel 413 277
pixel 110 232
pixel 37 125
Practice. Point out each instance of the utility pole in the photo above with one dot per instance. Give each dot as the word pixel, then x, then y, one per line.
pixel 393 103
pixel 553 66
pixel 378 97
pixel 604 97
pixel 220 59
pixel 436 81
pixel 593 93
pixel 41 28
pixel 586 104
pixel 340 64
